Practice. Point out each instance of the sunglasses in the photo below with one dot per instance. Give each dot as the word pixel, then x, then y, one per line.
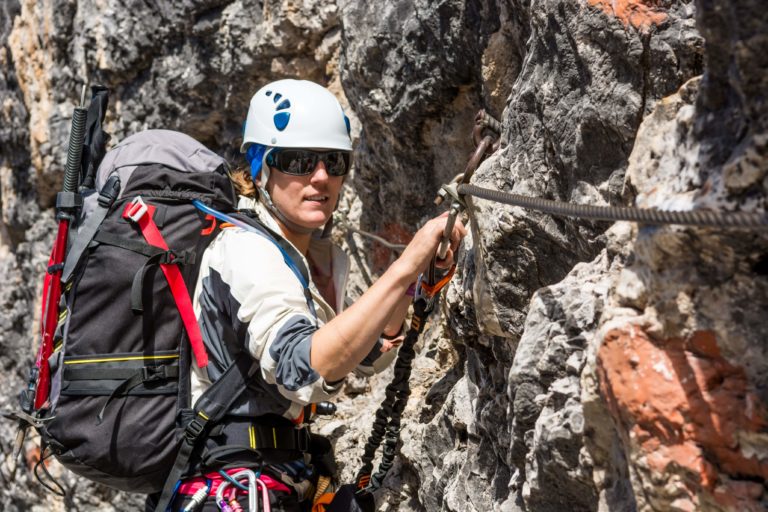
pixel 301 162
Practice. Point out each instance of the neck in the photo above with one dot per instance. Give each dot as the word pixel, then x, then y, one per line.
pixel 299 236
pixel 299 240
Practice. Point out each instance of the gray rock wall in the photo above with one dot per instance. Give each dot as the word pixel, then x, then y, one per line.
pixel 526 392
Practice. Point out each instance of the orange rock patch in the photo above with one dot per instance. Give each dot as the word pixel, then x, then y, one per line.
pixel 684 406
pixel 640 14
pixel 383 256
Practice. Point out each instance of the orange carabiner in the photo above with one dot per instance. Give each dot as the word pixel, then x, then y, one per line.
pixel 433 289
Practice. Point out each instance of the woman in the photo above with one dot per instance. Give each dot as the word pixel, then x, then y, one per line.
pixel 250 294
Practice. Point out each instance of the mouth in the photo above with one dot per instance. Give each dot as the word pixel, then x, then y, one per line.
pixel 319 198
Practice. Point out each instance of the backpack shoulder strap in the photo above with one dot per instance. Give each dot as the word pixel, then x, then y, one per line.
pixel 247 219
pixel 107 196
pixel 291 256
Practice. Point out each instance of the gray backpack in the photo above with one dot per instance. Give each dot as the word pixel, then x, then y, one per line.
pixel 120 399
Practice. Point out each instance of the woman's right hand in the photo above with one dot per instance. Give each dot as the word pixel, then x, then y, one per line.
pixel 340 345
pixel 419 252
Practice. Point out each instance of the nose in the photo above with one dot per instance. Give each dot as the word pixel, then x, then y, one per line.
pixel 320 174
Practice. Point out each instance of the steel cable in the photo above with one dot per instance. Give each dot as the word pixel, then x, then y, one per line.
pixel 385 243
pixel 617 213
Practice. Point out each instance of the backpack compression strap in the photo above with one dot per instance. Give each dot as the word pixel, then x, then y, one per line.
pixel 140 213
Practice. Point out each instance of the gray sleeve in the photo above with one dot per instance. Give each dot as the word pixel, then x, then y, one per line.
pixel 290 349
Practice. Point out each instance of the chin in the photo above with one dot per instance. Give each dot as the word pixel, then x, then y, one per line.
pixel 313 221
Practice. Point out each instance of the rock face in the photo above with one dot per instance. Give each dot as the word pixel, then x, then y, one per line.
pixel 682 363
pixel 577 365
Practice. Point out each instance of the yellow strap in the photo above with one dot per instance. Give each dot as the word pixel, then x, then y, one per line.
pixel 274 436
pixel 252 436
pixel 113 359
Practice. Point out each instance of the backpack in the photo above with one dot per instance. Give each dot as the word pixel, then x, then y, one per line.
pixel 120 399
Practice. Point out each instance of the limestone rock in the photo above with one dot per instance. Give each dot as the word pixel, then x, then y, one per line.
pixel 694 343
pixel 577 365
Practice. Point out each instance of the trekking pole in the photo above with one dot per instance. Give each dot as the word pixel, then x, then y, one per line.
pixel 67 204
pixel 87 144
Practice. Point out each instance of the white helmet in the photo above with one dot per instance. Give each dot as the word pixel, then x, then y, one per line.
pixel 296 114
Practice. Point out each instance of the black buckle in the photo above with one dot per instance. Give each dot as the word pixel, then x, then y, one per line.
pixel 109 191
pixel 167 258
pixel 171 257
pixel 153 373
pixel 55 268
pixel 193 430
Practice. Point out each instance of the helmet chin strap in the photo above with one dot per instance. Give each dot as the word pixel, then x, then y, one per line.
pixel 274 210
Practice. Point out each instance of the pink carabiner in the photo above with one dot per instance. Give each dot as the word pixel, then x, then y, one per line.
pixel 264 495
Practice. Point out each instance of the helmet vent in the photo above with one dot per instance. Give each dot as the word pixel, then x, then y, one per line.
pixel 281 120
pixel 284 105
pixel 277 97
pixel 269 93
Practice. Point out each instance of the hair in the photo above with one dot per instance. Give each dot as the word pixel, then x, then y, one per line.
pixel 241 179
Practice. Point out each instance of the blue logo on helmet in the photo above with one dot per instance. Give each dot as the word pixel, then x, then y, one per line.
pixel 280 119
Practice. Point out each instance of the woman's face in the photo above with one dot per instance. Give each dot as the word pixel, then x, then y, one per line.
pixel 307 200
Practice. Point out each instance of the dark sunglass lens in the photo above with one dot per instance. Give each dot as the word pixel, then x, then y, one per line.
pixel 337 163
pixel 297 162
pixel 300 162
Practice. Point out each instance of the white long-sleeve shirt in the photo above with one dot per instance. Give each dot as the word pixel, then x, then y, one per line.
pixel 247 296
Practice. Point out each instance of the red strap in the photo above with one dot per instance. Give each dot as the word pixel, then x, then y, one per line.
pixel 141 213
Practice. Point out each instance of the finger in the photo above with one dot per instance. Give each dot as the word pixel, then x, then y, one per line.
pixel 456 237
pixel 462 228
